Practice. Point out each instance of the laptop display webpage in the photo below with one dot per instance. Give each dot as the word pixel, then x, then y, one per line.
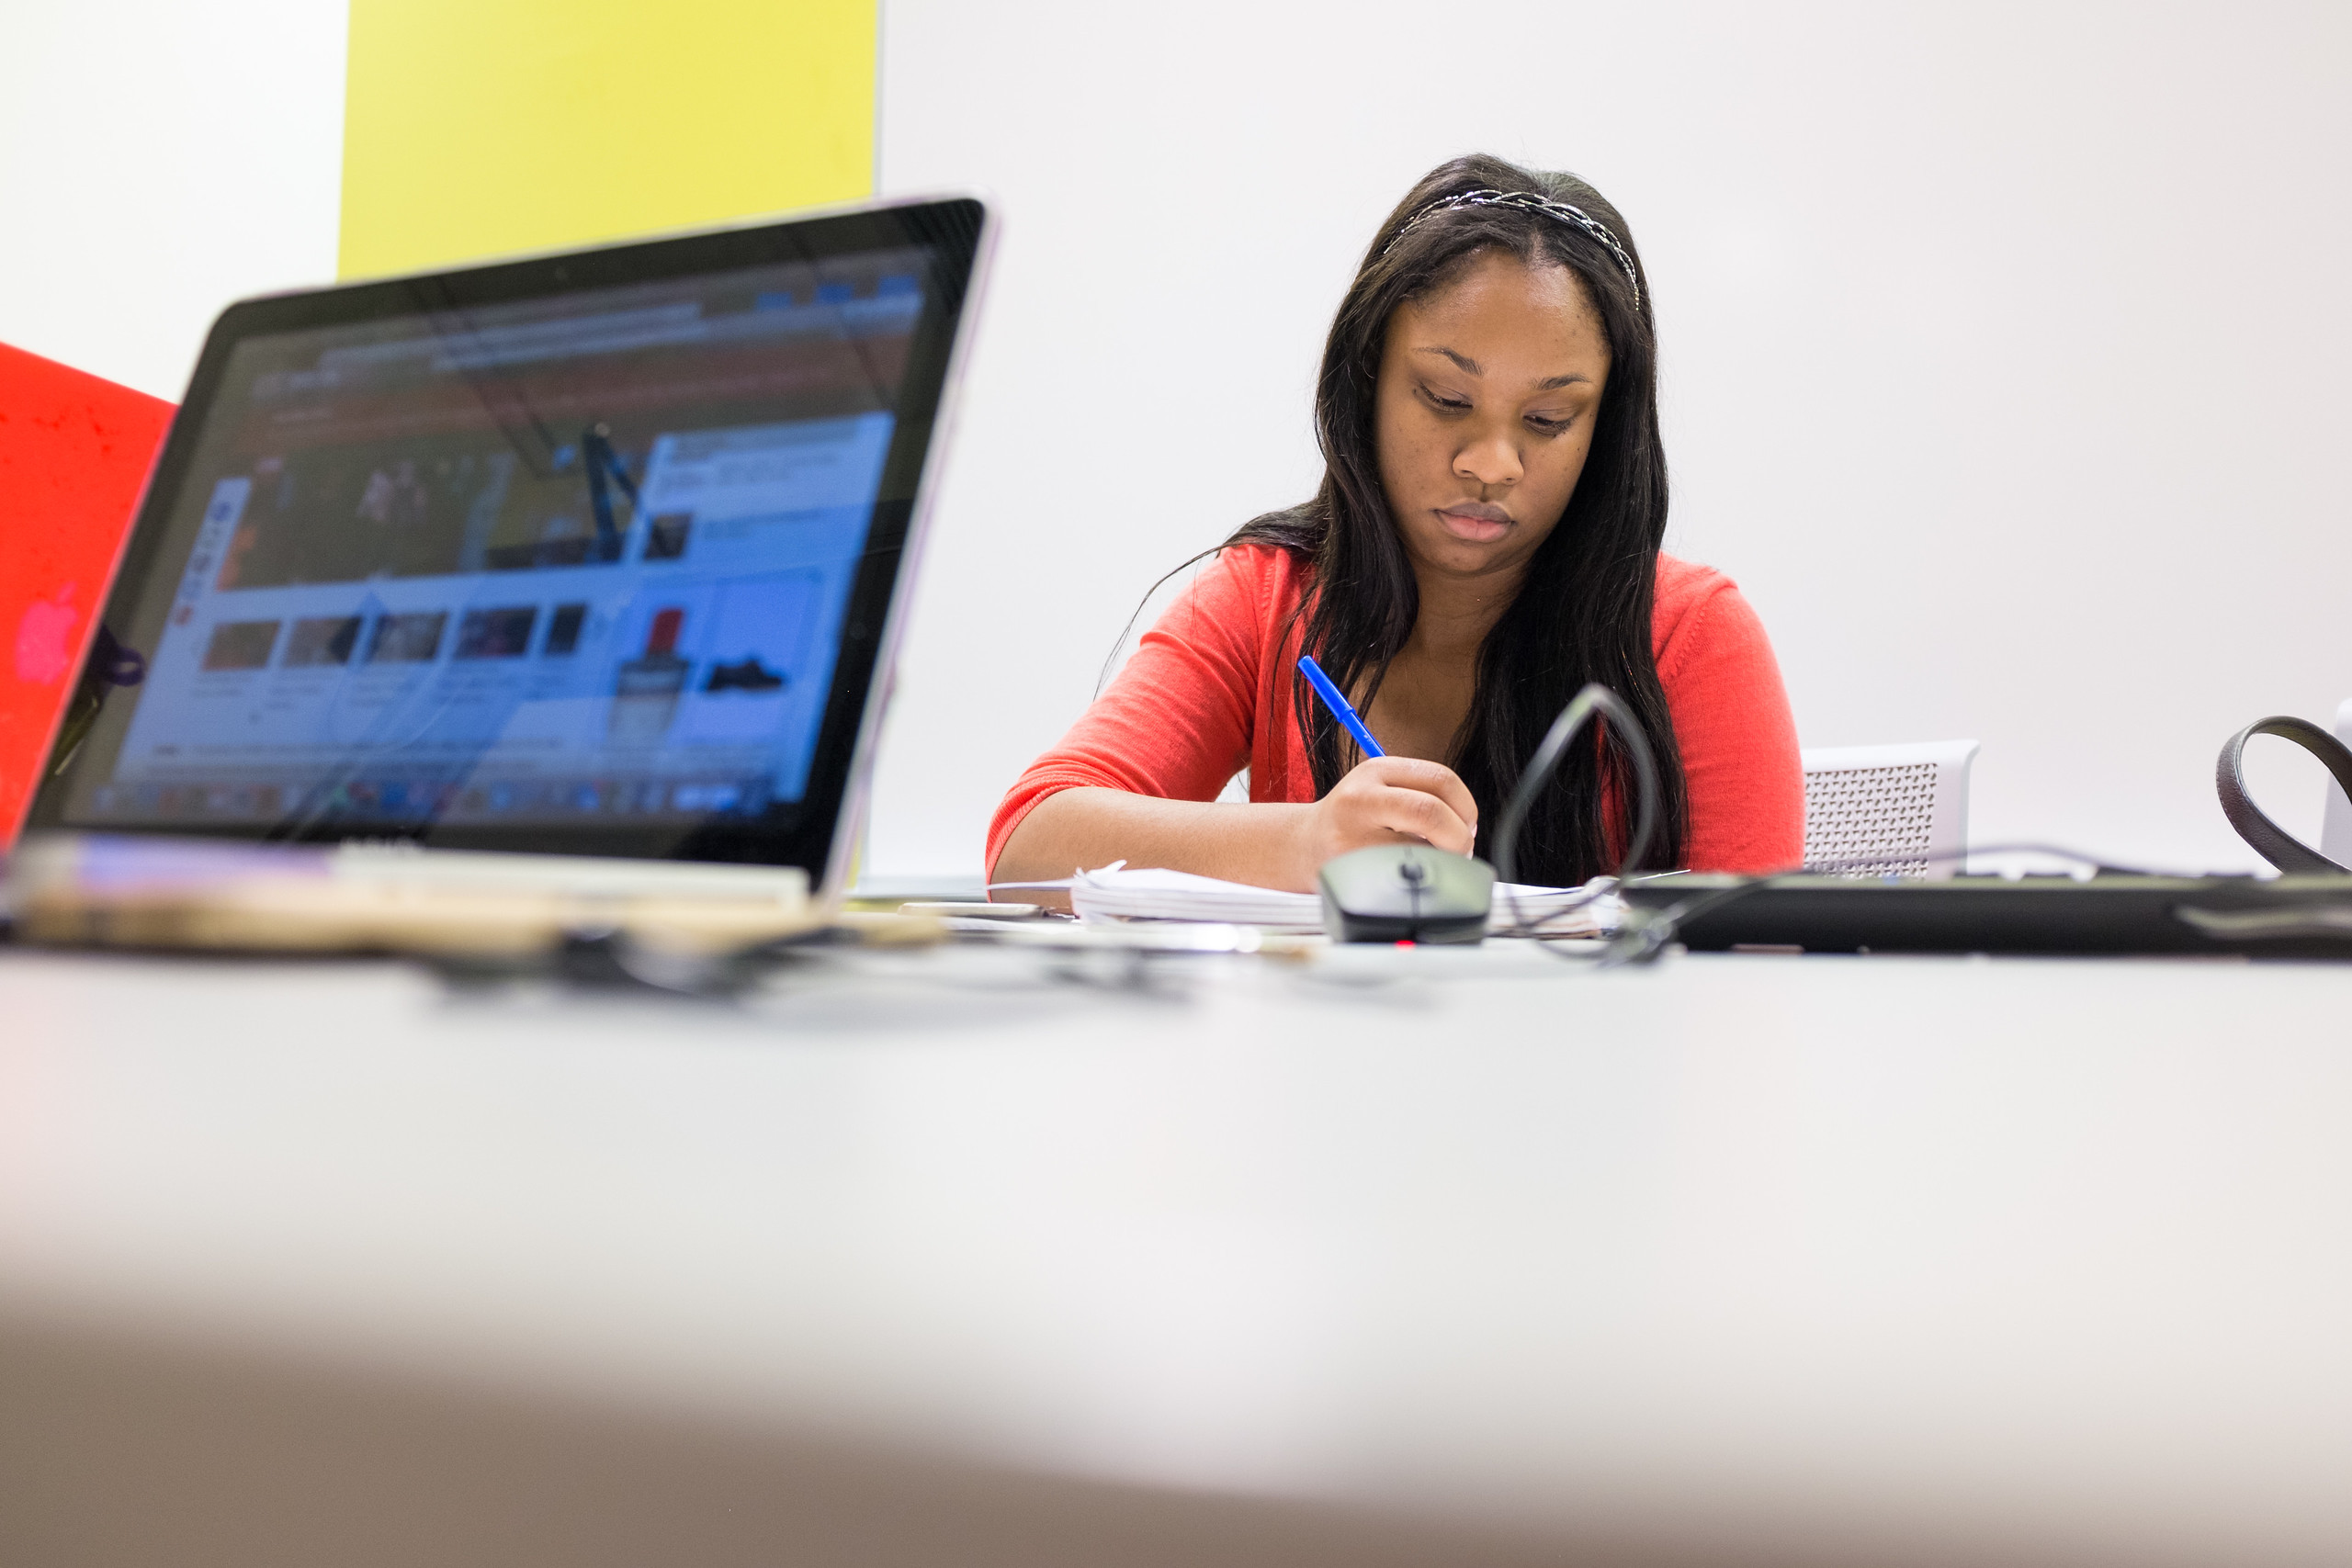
pixel 582 559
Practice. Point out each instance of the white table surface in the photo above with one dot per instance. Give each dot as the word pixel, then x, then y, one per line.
pixel 1732 1257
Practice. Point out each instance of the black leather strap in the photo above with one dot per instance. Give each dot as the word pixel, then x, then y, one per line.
pixel 2271 841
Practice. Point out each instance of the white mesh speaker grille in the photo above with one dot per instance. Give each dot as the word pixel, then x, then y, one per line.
pixel 1884 817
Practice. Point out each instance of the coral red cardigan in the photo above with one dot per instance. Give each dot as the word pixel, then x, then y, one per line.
pixel 1198 702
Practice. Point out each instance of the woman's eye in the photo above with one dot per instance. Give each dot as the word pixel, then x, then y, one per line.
pixel 1548 426
pixel 1444 404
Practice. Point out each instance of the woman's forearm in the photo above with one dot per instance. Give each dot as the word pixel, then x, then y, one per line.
pixel 1259 843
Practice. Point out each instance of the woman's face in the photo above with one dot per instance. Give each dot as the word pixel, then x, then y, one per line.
pixel 1488 389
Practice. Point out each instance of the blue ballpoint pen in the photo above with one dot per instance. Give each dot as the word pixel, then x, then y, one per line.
pixel 1339 706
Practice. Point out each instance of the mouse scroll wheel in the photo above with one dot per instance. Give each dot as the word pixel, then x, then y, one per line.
pixel 1413 871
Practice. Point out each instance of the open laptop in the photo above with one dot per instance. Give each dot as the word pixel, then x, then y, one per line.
pixel 598 556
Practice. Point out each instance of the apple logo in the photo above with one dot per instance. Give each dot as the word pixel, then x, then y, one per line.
pixel 45 638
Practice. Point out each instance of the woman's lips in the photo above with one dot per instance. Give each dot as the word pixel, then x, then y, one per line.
pixel 1476 522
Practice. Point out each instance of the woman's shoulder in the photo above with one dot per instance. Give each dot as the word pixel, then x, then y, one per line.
pixel 1265 578
pixel 1695 606
pixel 1270 564
pixel 1682 585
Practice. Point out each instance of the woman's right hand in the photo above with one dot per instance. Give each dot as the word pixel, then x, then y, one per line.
pixel 1389 800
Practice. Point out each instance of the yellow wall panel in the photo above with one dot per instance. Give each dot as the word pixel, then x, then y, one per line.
pixel 473 127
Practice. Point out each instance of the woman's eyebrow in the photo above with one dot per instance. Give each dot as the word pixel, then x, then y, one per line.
pixel 1468 366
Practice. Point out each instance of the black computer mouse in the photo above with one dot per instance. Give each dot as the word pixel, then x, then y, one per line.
pixel 1406 893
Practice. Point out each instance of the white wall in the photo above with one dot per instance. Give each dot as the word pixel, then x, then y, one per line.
pixel 158 160
pixel 2002 352
pixel 2001 342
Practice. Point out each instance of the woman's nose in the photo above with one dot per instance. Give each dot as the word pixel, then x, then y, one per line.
pixel 1490 461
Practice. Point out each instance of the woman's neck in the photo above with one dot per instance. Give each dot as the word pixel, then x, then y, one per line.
pixel 1456 612
pixel 1424 701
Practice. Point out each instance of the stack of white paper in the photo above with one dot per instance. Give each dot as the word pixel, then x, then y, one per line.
pixel 1117 893
pixel 1554 911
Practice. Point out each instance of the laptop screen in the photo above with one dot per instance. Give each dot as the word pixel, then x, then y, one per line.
pixel 582 563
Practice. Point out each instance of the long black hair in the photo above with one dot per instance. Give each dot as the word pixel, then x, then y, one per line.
pixel 1583 611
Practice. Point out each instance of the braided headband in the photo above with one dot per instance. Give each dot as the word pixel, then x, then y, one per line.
pixel 1528 202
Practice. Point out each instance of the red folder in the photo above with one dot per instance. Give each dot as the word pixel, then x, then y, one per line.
pixel 74 451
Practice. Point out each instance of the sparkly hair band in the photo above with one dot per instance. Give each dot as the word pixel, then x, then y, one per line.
pixel 1528 202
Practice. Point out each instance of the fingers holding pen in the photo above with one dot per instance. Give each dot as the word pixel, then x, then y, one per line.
pixel 1425 801
pixel 1439 785
pixel 1385 799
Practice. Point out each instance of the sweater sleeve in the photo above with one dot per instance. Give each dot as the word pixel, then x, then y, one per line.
pixel 1176 722
pixel 1738 738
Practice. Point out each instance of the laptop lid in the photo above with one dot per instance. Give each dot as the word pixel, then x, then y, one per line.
pixel 598 553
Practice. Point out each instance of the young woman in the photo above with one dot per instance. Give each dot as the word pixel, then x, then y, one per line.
pixel 1485 541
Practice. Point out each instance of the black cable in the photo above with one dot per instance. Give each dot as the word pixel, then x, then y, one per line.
pixel 1594 698
pixel 1645 935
